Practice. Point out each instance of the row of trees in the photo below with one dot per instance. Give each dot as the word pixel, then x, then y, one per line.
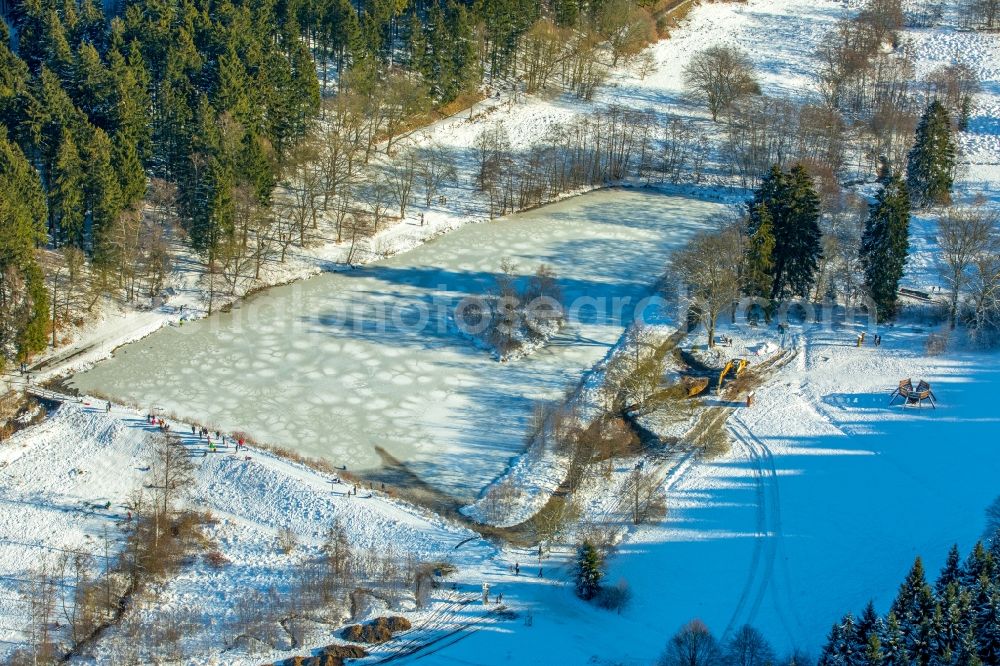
pixel 111 594
pixel 982 14
pixel 206 114
pixel 780 247
pixel 955 620
pixel 593 149
pixel 869 101
pixel 695 645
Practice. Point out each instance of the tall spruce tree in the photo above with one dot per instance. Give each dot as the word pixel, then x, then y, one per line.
pixel 791 202
pixel 951 572
pixel 67 208
pixel 893 647
pixel 930 169
pixel 884 245
pixel 988 625
pixel 588 571
pixel 23 299
pixel 758 274
pixel 104 197
pixel 802 248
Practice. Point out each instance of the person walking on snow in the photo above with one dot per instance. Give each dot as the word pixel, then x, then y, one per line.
pixel 108 408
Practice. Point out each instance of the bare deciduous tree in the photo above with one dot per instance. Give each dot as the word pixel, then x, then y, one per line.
pixel 303 188
pixel 955 86
pixel 984 13
pixel 692 645
pixel 984 294
pixel 719 76
pixel 171 470
pixel 748 647
pixel 626 27
pixel 645 500
pixel 964 234
pixel 377 197
pixel 708 269
pixel 402 174
pixel 406 97
pixel 435 169
pixel 542 47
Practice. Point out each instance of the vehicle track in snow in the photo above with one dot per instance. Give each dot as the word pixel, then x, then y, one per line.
pixel 762 574
pixel 418 638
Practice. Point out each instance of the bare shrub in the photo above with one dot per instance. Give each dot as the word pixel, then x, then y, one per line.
pixel 379 631
pixel 992 531
pixel 936 344
pixel 287 540
pixel 216 559
pixel 615 598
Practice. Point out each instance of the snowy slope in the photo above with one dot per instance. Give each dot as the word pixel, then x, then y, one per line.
pixel 57 477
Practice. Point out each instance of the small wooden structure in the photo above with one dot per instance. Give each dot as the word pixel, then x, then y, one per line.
pixel 913 396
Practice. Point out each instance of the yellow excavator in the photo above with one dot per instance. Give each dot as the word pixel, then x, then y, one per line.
pixel 736 365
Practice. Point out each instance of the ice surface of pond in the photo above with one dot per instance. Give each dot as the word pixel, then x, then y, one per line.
pixel 315 368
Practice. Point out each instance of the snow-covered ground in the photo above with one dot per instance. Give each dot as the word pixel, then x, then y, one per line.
pixel 827 496
pixel 824 500
pixel 57 478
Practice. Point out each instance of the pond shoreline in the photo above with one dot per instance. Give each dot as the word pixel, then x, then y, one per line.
pixel 311 369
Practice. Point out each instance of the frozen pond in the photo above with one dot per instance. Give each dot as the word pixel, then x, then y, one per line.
pixel 339 364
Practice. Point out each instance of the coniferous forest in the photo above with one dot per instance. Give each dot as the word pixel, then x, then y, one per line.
pixel 201 108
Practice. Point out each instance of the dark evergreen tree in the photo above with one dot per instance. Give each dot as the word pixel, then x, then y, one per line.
pixel 758 276
pixel 67 208
pixel 874 653
pixel 14 79
pixel 868 623
pixel 800 251
pixel 930 168
pixel 92 89
pixel 589 571
pixel 791 202
pixel 833 648
pixel 893 642
pixel 978 565
pixel 885 244
pixel 23 299
pixel 950 573
pixel 567 12
pixel 988 623
pixel 914 608
pixel 956 618
pixel 104 197
pixel 844 645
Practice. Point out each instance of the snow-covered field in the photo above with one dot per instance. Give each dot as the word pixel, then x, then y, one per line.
pixel 822 504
